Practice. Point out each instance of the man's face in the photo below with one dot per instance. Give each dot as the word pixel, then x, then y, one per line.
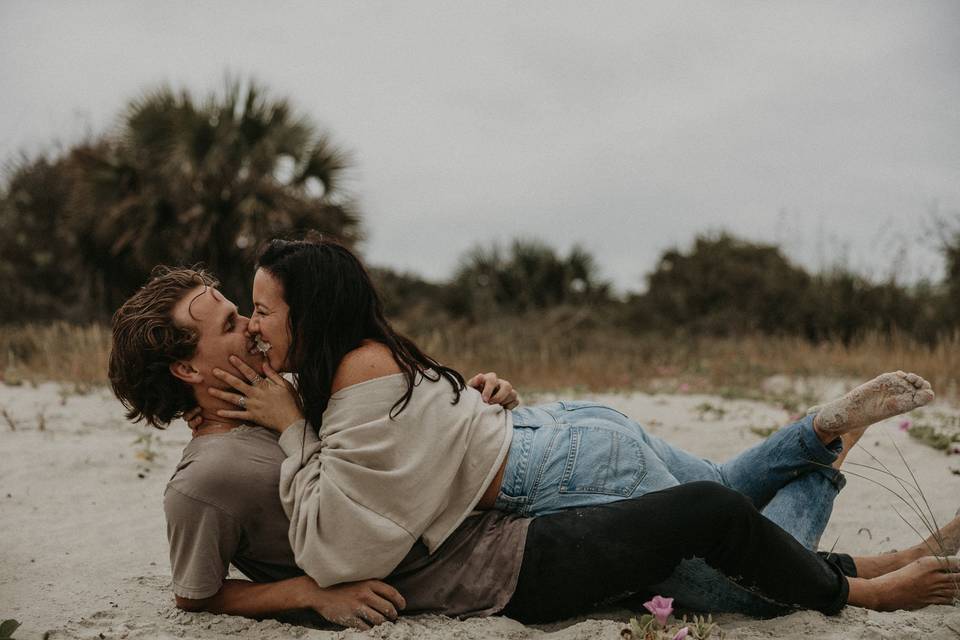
pixel 223 332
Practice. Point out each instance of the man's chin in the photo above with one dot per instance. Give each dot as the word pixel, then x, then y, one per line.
pixel 252 362
pixel 281 367
pixel 255 362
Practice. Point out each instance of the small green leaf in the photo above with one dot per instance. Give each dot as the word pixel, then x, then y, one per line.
pixel 7 627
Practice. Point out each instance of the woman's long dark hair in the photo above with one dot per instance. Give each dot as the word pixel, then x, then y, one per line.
pixel 333 308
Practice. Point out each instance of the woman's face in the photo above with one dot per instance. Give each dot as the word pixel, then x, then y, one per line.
pixel 270 320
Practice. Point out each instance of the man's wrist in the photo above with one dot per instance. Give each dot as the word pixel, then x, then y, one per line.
pixel 306 593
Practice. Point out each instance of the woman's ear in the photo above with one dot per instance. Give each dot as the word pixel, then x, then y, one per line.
pixel 185 371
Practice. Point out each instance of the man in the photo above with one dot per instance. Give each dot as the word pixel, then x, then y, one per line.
pixel 223 507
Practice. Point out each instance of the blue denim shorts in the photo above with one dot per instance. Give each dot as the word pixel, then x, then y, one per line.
pixel 572 454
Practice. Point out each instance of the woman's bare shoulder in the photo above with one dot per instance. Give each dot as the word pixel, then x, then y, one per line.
pixel 368 361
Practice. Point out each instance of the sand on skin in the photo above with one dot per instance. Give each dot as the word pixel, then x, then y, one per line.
pixel 83 551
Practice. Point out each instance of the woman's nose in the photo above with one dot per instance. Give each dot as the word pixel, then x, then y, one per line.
pixel 253 325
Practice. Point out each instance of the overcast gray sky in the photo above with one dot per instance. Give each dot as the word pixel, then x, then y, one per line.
pixel 628 127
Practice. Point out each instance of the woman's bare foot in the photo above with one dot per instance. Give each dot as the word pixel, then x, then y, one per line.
pixel 929 580
pixel 887 395
pixel 946 542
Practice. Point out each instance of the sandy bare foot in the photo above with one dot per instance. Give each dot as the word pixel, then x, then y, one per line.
pixel 887 395
pixel 929 580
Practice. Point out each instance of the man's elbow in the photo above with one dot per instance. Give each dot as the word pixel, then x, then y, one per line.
pixel 189 604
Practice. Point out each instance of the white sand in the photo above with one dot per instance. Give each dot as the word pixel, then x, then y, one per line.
pixel 83 548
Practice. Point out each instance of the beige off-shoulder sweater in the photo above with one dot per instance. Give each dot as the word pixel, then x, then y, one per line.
pixel 362 493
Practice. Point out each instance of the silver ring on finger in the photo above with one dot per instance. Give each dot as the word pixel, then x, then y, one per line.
pixel 242 402
pixel 256 380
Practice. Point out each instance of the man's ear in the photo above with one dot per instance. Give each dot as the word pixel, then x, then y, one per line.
pixel 185 371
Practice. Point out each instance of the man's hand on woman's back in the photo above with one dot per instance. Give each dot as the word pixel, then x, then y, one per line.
pixel 495 390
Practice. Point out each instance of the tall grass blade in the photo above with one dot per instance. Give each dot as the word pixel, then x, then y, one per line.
pixel 933 518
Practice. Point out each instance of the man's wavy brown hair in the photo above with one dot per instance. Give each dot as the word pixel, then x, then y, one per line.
pixel 146 341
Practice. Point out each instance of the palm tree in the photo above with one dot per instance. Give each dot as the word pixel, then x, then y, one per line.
pixel 182 182
pixel 42 275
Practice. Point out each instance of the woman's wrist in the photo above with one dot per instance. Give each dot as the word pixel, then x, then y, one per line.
pixel 292 420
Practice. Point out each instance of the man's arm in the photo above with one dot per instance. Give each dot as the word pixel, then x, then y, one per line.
pixel 205 538
pixel 355 604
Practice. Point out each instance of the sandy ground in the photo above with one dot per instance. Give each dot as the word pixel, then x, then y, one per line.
pixel 83 549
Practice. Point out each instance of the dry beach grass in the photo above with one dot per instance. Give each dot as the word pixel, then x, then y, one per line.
pixel 554 355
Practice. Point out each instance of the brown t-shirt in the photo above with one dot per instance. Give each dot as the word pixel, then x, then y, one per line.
pixel 223 506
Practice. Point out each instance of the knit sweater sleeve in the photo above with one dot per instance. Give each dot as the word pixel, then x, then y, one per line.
pixel 320 512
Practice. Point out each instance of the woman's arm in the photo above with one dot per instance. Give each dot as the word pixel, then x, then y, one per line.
pixel 334 537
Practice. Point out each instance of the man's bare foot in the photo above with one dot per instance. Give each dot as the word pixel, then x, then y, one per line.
pixel 887 395
pixel 929 580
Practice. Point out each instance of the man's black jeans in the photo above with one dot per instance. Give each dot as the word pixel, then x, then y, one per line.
pixel 579 558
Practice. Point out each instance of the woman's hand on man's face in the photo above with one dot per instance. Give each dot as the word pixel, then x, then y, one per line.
pixel 269 401
pixel 494 390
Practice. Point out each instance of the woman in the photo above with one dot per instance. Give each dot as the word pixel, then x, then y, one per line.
pixel 395 448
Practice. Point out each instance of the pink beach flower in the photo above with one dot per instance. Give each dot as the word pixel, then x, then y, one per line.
pixel 684 387
pixel 905 425
pixel 661 608
pixel 682 633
